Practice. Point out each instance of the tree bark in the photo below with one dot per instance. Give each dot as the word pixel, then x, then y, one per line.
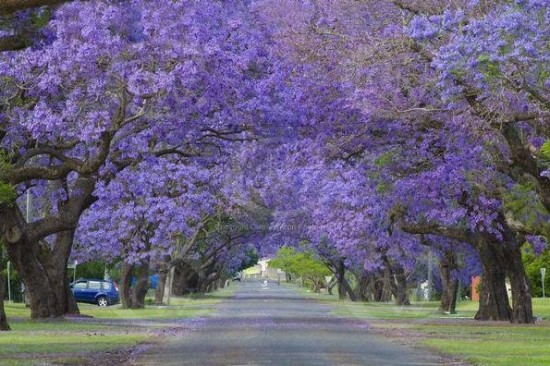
pixel 450 284
pixel 126 285
pixel 362 289
pixel 499 257
pixel 202 284
pixel 4 326
pixel 522 309
pixel 382 286
pixel 43 266
pixel 340 282
pixel 45 276
pixel 63 247
pixel 139 291
pixel 185 279
pixel 397 278
pixel 344 289
pixel 31 260
pixel 330 285
pixel 524 162
pixel 161 284
pixel 168 287
pixel 10 6
pixel 399 286
pixel 493 297
pixel 164 269
pixel 213 279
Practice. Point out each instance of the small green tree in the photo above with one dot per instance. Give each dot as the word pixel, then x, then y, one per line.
pixel 533 263
pixel 283 261
pixel 302 264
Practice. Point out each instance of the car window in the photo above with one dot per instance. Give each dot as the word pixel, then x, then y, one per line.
pixel 105 285
pixel 94 285
pixel 80 285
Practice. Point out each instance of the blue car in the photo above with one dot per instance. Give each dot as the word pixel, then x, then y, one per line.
pixel 100 292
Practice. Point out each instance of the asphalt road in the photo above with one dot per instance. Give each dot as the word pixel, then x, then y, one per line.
pixel 274 325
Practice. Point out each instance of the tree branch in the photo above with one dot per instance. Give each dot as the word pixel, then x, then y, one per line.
pixel 10 6
pixel 12 43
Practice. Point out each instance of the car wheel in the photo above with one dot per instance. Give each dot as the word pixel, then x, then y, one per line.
pixel 102 301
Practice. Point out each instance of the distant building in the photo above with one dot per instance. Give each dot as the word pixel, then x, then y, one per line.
pixel 262 270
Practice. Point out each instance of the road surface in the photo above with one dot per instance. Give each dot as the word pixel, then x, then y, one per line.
pixel 267 324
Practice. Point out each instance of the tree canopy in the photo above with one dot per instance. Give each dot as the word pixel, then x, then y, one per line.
pixel 178 136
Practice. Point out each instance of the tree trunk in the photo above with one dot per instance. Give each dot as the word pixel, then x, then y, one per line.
pixel 499 257
pixel 214 283
pixel 63 246
pixel 126 285
pixel 331 284
pixel 185 279
pixel 168 286
pixel 4 326
pixel 340 279
pixel 134 297
pixel 399 286
pixel 344 288
pixel 493 298
pixel 450 284
pixel 382 286
pixel 139 291
pixel 43 266
pixel 206 281
pixel 45 276
pixel 159 293
pixel 201 282
pixel 164 268
pixel 395 274
pixel 522 309
pixel 362 289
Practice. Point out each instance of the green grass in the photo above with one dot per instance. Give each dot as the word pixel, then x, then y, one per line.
pixel 16 310
pixel 65 342
pixel 70 340
pixel 479 343
pixel 180 307
pixel 541 307
pixel 491 345
pixel 389 311
pixel 55 325
pixel 199 308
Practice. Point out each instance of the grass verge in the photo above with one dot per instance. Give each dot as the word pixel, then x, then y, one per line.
pixel 111 330
pixel 474 342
